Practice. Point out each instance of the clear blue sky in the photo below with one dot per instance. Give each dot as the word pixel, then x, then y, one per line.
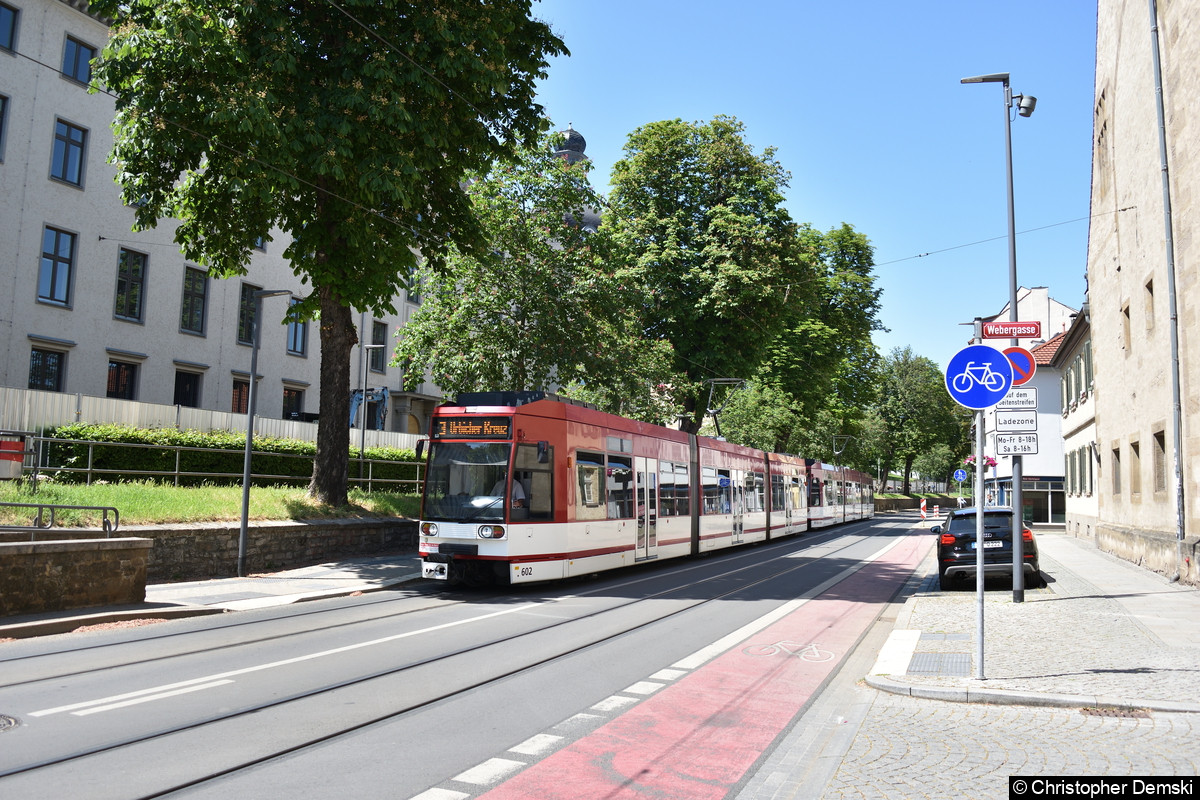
pixel 863 101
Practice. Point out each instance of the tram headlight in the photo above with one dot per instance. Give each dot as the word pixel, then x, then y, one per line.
pixel 429 528
pixel 491 531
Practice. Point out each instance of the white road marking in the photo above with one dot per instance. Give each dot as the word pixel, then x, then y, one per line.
pixel 536 745
pixel 490 772
pixel 668 674
pixel 896 652
pixel 148 698
pixel 643 688
pixel 211 679
pixel 441 794
pixel 614 703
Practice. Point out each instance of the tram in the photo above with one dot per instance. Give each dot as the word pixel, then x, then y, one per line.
pixel 526 486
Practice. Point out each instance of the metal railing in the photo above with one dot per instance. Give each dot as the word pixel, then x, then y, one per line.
pixel 41 447
pixel 43 522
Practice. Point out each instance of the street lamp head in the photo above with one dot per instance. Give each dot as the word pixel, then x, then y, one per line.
pixel 994 77
pixel 1026 105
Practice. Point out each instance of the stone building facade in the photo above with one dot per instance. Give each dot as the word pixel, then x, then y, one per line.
pixel 1143 290
pixel 89 307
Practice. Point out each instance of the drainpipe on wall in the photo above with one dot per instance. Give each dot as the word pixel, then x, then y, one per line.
pixel 1177 413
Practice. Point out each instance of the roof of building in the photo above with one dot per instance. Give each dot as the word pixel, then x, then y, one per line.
pixel 1043 353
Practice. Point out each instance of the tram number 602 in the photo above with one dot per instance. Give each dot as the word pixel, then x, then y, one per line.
pixel 526 572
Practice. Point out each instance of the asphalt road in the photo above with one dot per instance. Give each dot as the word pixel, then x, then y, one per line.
pixel 676 678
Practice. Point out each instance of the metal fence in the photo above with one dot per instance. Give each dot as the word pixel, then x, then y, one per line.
pixel 32 410
pixel 42 452
pixel 46 518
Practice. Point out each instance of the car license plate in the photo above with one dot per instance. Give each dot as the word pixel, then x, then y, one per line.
pixel 989 543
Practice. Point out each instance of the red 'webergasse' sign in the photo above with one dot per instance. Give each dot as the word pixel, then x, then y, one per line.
pixel 1012 330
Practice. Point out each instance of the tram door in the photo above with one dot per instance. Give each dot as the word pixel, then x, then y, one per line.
pixel 647 508
pixel 738 507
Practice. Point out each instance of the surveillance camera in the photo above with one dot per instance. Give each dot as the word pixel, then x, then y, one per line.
pixel 1025 108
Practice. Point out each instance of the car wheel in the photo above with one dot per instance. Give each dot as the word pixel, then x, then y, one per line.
pixel 947 584
pixel 1039 580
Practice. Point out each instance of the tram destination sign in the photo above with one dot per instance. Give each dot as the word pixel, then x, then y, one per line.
pixel 472 427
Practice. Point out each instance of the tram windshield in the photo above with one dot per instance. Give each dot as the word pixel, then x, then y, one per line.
pixel 465 481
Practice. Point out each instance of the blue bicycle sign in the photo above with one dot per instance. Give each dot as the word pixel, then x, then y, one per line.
pixel 978 376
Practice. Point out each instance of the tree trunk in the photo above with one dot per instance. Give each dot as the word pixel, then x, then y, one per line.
pixel 332 462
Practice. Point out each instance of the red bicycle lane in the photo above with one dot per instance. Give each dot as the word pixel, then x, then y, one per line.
pixel 696 738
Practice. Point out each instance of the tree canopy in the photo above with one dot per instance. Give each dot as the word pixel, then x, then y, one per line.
pixel 915 412
pixel 349 126
pixel 546 305
pixel 711 246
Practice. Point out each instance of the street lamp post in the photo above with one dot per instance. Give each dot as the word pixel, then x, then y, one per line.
pixel 251 398
pixel 362 407
pixel 839 447
pixel 1025 106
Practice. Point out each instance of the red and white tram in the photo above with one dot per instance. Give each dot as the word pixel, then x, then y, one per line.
pixel 522 486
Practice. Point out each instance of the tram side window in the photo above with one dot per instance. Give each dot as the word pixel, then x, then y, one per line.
pixel 718 494
pixel 673 489
pixel 620 487
pixel 666 489
pixel 777 494
pixel 589 499
pixel 537 479
pixel 814 491
pixel 755 487
pixel 797 494
pixel 683 490
pixel 829 496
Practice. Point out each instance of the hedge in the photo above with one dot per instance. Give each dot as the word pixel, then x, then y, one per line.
pixel 134 460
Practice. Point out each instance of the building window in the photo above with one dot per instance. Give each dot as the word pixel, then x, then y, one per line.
pixel 195 300
pixel 241 396
pixel 66 164
pixel 8 27
pixel 46 370
pixel 1116 470
pixel 413 292
pixel 245 328
pixel 297 332
pixel 1135 468
pixel 58 259
pixel 77 58
pixel 122 380
pixel 1149 305
pixel 131 283
pixel 293 403
pixel 1160 461
pixel 377 358
pixel 187 389
pixel 1126 335
pixel 3 123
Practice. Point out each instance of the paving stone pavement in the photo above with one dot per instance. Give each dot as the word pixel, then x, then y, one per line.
pixel 1096 674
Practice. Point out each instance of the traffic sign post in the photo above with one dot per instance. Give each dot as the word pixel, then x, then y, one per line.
pixel 1012 330
pixel 978 376
pixel 1023 364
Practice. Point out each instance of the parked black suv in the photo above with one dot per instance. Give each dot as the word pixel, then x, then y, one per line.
pixel 956 547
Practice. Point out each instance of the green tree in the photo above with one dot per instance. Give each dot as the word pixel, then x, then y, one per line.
pixel 348 125
pixel 545 305
pixel 915 411
pixel 711 245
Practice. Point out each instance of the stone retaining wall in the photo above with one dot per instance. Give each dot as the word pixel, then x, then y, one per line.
pixel 1153 550
pixel 62 575
pixel 76 571
pixel 210 549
